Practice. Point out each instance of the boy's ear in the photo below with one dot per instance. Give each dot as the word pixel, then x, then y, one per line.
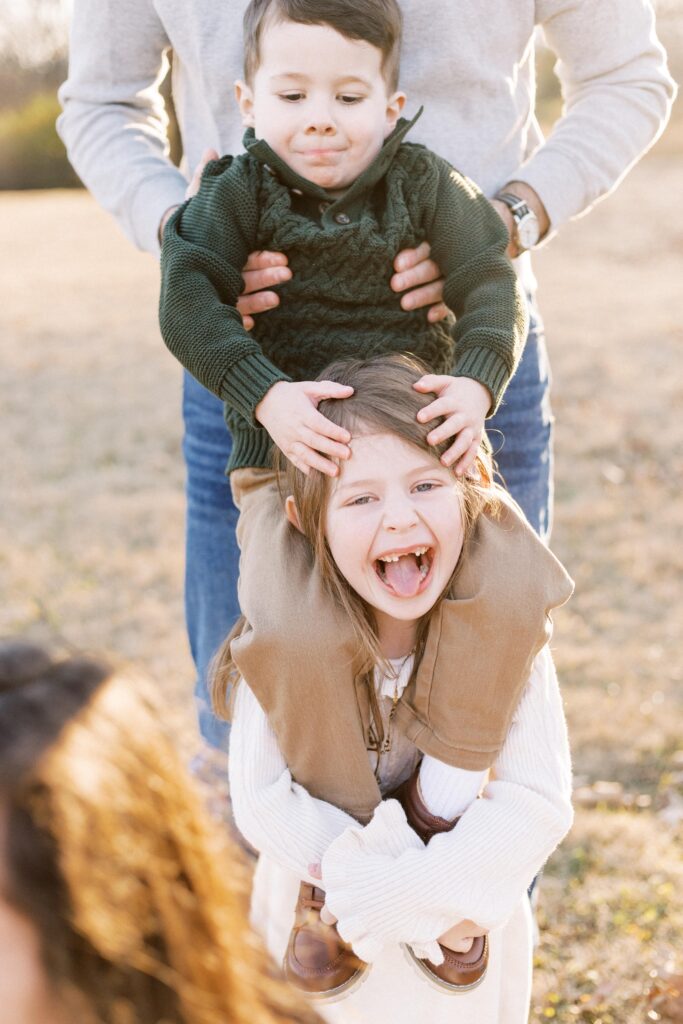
pixel 245 101
pixel 395 105
pixel 292 513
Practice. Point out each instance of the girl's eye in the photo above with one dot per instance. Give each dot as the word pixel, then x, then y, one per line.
pixel 348 100
pixel 291 97
pixel 427 485
pixel 363 499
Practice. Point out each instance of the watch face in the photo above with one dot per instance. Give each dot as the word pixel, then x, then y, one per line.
pixel 527 231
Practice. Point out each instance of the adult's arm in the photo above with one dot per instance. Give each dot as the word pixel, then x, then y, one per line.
pixel 205 245
pixel 468 241
pixel 385 886
pixel 617 95
pixel 113 124
pixel 276 815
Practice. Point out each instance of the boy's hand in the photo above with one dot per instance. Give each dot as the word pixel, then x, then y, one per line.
pixel 289 412
pixel 464 403
pixel 420 278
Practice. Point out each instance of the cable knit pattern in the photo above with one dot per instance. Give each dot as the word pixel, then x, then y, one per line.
pixel 382 883
pixel 339 301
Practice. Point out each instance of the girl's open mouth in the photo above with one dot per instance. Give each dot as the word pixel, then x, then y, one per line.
pixel 407 574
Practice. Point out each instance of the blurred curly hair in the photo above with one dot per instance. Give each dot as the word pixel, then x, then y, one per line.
pixel 140 904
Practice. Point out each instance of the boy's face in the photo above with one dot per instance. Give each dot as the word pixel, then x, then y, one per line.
pixel 320 101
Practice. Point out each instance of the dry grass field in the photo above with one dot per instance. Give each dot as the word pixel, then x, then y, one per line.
pixel 92 535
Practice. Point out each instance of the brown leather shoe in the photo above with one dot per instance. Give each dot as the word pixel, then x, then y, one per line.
pixel 459 972
pixel 317 960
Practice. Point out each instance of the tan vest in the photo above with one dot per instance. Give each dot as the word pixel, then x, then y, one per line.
pixel 299 659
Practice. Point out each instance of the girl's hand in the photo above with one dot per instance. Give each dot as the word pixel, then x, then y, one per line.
pixel 289 412
pixel 315 871
pixel 420 278
pixel 464 403
pixel 459 938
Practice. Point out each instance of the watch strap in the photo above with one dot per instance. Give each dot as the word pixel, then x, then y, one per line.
pixel 517 206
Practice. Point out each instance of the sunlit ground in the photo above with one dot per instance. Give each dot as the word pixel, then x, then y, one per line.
pixel 92 535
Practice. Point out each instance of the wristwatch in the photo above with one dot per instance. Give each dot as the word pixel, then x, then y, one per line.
pixel 526 233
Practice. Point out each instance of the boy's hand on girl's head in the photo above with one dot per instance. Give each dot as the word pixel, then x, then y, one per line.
pixel 464 403
pixel 289 412
pixel 420 278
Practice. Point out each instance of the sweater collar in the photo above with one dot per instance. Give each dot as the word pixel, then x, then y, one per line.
pixel 260 149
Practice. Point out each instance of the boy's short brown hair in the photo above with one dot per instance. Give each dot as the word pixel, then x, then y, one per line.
pixel 378 22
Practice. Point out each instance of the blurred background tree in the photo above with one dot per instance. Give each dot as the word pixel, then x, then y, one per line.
pixel 33 63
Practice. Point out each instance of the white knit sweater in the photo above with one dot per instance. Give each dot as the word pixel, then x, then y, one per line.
pixel 382 883
pixel 469 62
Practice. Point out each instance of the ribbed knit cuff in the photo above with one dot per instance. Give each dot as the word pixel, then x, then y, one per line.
pixel 487 367
pixel 252 447
pixel 247 382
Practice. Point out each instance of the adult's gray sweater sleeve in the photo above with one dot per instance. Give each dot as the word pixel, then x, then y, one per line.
pixel 617 95
pixel 113 124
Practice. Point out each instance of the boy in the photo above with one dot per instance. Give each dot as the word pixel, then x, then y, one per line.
pixel 319 100
pixel 328 180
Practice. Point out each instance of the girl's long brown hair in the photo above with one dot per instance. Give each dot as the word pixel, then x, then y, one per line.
pixel 139 902
pixel 383 401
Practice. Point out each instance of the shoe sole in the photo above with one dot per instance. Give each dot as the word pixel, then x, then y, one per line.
pixel 446 986
pixel 334 994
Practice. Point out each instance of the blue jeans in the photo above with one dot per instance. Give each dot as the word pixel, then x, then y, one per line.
pixel 521 437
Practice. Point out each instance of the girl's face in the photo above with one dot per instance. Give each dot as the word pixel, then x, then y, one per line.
pixel 394 526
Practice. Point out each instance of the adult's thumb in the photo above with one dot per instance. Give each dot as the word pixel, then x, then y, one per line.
pixel 207 156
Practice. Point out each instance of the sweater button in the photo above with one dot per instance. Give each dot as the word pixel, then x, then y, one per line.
pixel 342 218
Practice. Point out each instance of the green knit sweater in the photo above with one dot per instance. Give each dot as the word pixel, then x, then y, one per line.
pixel 339 301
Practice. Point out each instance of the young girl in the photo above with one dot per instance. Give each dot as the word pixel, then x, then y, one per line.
pixel 118 903
pixel 387 534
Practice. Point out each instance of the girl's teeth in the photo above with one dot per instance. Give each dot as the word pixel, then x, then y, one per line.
pixel 394 558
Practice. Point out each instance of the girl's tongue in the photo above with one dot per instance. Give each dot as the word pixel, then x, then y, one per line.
pixel 404 576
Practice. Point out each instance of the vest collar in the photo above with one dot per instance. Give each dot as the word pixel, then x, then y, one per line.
pixel 261 151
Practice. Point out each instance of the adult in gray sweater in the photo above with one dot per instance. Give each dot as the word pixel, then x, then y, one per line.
pixel 471 64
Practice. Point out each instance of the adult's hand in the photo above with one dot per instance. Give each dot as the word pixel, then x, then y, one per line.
pixel 263 269
pixel 420 278
pixel 192 188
